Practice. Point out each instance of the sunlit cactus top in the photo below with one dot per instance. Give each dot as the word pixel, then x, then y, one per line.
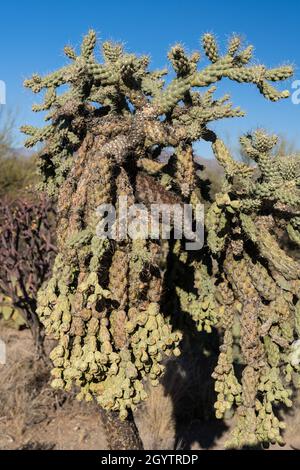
pixel 122 86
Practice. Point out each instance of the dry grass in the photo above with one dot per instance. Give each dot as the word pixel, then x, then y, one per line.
pixel 156 420
pixel 32 414
pixel 184 397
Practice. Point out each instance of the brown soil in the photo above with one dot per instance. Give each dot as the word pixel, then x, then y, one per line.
pixel 32 415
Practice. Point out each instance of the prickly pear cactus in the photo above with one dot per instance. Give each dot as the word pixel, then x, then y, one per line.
pixel 115 306
pixel 9 314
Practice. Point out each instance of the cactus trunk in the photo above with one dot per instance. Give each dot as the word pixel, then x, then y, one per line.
pixel 120 434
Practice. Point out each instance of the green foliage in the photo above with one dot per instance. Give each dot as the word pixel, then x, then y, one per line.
pixel 116 307
pixel 16 175
pixel 16 171
pixel 9 314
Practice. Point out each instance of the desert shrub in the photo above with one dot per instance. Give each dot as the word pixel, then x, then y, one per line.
pixel 26 255
pixel 17 171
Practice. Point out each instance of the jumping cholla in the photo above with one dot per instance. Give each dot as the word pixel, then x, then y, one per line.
pixel 115 305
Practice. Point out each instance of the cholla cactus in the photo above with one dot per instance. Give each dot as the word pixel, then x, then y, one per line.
pixel 259 285
pixel 110 304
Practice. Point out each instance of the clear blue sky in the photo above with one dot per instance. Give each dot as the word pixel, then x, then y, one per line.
pixel 33 34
